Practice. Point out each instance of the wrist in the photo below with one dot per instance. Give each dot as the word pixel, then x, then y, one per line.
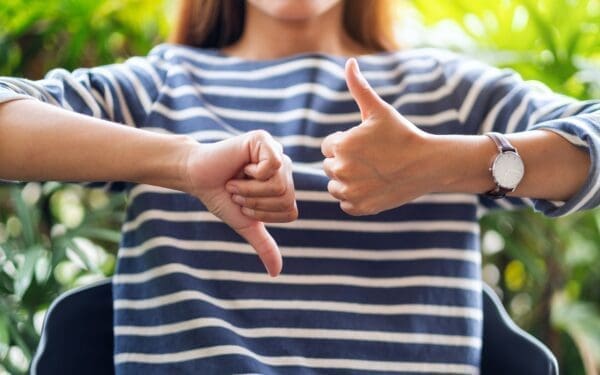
pixel 463 163
pixel 166 163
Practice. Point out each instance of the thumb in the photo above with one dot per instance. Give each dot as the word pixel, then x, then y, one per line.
pixel 367 99
pixel 265 246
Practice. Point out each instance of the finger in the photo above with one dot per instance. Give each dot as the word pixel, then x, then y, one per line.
pixel 327 146
pixel 270 204
pixel 329 167
pixel 336 189
pixel 254 188
pixel 261 171
pixel 349 208
pixel 264 245
pixel 367 99
pixel 266 157
pixel 271 217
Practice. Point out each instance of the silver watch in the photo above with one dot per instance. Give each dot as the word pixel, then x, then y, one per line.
pixel 507 167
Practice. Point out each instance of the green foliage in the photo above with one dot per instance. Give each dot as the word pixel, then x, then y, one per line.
pixel 546 270
pixel 38 35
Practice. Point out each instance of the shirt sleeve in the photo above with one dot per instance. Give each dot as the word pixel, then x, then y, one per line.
pixel 499 100
pixel 121 93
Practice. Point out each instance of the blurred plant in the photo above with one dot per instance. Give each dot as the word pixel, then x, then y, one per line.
pixel 52 237
pixel 38 35
pixel 56 236
pixel 546 270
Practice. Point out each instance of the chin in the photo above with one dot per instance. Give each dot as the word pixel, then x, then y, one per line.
pixel 293 10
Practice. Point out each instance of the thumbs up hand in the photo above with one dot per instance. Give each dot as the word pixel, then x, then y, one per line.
pixel 381 163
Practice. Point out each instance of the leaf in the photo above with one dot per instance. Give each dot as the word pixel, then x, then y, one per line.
pixel 4 337
pixel 28 219
pixel 581 320
pixel 100 234
pixel 25 272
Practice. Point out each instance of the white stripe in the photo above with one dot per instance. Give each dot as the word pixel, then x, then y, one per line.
pixel 100 100
pixel 37 90
pixel 84 94
pixel 141 92
pixel 107 101
pixel 308 362
pixel 301 333
pixel 323 196
pixel 490 119
pixel 466 106
pixel 253 277
pixel 298 304
pixel 517 113
pixel 439 93
pixel 505 204
pixel 327 225
pixel 279 117
pixel 304 252
pixel 544 111
pixel 146 65
pixel 108 75
pixel 574 108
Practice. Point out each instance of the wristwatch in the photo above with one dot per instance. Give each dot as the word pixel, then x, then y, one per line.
pixel 507 167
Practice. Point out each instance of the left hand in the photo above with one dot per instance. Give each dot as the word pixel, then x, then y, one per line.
pixel 382 163
pixel 216 175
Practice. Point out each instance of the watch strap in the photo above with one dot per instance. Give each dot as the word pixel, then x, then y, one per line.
pixel 503 145
pixel 501 142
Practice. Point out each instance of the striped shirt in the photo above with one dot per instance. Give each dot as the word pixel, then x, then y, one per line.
pixel 399 292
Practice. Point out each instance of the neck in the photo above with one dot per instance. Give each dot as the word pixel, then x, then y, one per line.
pixel 266 37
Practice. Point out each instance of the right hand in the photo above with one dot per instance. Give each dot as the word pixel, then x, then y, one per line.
pixel 258 158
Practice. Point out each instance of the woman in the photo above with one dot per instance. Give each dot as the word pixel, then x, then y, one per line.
pixel 396 292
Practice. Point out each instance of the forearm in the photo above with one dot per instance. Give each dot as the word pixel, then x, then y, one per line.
pixel 42 142
pixel 554 168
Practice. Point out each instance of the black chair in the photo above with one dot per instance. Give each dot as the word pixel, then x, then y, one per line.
pixel 77 338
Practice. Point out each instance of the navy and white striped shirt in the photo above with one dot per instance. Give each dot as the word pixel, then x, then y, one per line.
pixel 397 292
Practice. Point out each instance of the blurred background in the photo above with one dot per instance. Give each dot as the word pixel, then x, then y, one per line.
pixel 56 236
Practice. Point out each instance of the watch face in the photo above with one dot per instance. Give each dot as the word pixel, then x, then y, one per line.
pixel 508 170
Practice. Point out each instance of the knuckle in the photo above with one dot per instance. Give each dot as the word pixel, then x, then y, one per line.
pixel 286 160
pixel 280 188
pixel 261 134
pixel 337 146
pixel 340 171
pixel 259 215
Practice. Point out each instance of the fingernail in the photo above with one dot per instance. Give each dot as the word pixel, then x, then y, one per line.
pixel 238 199
pixel 247 211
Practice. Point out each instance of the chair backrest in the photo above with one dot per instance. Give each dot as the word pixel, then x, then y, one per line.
pixel 507 349
pixel 77 338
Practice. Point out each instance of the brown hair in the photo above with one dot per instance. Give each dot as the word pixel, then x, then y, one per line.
pixel 219 23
